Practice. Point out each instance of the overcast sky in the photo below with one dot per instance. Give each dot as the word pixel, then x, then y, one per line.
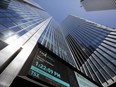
pixel 59 9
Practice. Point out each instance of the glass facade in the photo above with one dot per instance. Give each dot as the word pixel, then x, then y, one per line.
pixel 23 24
pixel 93 47
pixel 19 18
pixel 53 39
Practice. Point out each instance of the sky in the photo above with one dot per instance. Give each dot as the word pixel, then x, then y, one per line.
pixel 60 9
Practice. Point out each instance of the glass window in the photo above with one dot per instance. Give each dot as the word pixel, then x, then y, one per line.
pixel 2 20
pixel 112 67
pixel 1 15
pixel 22 33
pixel 15 29
pixel 105 74
pixel 109 71
pixel 10 24
pixel 100 77
pixel 1 27
pixel 8 15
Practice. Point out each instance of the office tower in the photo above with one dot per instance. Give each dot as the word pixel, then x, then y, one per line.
pixel 94 48
pixel 4 3
pixel 23 24
pixel 53 39
pixel 96 5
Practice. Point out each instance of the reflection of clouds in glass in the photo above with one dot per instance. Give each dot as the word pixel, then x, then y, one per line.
pixel 6 34
pixel 11 39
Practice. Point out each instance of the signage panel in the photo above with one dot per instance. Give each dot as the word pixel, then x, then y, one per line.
pixel 46 68
pixel 83 82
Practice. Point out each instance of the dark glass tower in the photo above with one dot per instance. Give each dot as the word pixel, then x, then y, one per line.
pixel 23 24
pixel 93 47
pixel 53 39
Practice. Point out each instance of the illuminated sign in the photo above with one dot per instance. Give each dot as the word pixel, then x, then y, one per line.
pixel 83 82
pixel 46 68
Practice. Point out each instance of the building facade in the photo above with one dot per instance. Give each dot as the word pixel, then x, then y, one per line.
pixel 96 5
pixel 23 24
pixel 93 47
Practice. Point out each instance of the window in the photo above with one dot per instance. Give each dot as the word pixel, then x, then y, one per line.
pixel 1 27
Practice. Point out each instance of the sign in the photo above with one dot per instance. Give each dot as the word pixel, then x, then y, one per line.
pixel 83 82
pixel 46 68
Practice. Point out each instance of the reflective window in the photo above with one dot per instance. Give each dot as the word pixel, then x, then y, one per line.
pixel 1 27
pixel 15 29
pixel 3 20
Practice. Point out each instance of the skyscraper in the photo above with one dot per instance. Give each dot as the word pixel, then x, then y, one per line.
pixel 94 48
pixel 23 24
pixel 96 5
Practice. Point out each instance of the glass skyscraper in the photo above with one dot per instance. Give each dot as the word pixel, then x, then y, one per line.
pixel 93 47
pixel 23 24
pixel 53 39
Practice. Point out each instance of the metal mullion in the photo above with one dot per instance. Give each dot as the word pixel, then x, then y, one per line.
pixel 100 67
pixel 94 30
pixel 58 47
pixel 109 43
pixel 102 57
pixel 69 51
pixel 102 48
pixel 113 33
pixel 91 36
pixel 93 72
pixel 107 59
pixel 98 70
pixel 85 41
pixel 15 26
pixel 104 62
pixel 71 47
pixel 88 69
pixel 90 31
pixel 111 36
pixel 80 51
pixel 18 32
pixel 84 70
pixel 54 42
pixel 49 37
pixel 45 34
pixel 81 69
pixel 111 40
pixel 83 35
pixel 98 28
pixel 87 64
pixel 109 49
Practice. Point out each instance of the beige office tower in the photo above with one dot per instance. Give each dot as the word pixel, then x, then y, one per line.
pixel 97 5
